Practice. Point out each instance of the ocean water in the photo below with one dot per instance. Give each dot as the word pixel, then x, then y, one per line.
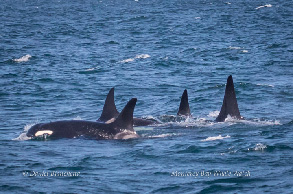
pixel 58 60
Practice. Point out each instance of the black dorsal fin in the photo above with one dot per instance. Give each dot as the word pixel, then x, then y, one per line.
pixel 230 106
pixel 125 118
pixel 184 105
pixel 109 109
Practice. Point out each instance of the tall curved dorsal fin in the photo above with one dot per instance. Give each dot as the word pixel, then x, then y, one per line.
pixel 125 118
pixel 184 105
pixel 109 109
pixel 230 106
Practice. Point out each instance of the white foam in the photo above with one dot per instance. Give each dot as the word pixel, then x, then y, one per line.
pixel 257 122
pixel 77 118
pixel 263 6
pixel 143 128
pixel 262 123
pixel 93 69
pixel 28 126
pixel 141 56
pixel 163 135
pixel 231 119
pixel 90 69
pixel 265 85
pixel 23 59
pixel 234 47
pixel 238 48
pixel 210 121
pixel 197 18
pixel 259 147
pixel 215 138
pixel 127 60
pixel 150 117
pixel 214 114
pixel 189 122
pixel 22 137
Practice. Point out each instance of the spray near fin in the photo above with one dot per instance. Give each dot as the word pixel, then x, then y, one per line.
pixel 230 106
pixel 184 105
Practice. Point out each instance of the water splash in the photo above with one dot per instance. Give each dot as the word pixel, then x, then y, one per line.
pixel 214 114
pixel 22 136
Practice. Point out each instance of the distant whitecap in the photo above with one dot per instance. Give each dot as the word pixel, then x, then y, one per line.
pixel 90 69
pixel 260 147
pixel 127 60
pixel 269 85
pixel 141 56
pixel 215 138
pixel 234 47
pixel 23 59
pixel 263 6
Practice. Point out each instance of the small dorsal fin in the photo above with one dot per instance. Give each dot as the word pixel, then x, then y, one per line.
pixel 184 105
pixel 125 118
pixel 230 106
pixel 109 109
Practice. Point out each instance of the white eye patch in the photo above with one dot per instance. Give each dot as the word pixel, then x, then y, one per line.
pixel 39 133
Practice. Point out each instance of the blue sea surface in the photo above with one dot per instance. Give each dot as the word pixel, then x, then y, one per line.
pixel 58 60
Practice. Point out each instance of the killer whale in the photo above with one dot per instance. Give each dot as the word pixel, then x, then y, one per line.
pixel 109 110
pixel 110 113
pixel 230 105
pixel 121 128
pixel 184 109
